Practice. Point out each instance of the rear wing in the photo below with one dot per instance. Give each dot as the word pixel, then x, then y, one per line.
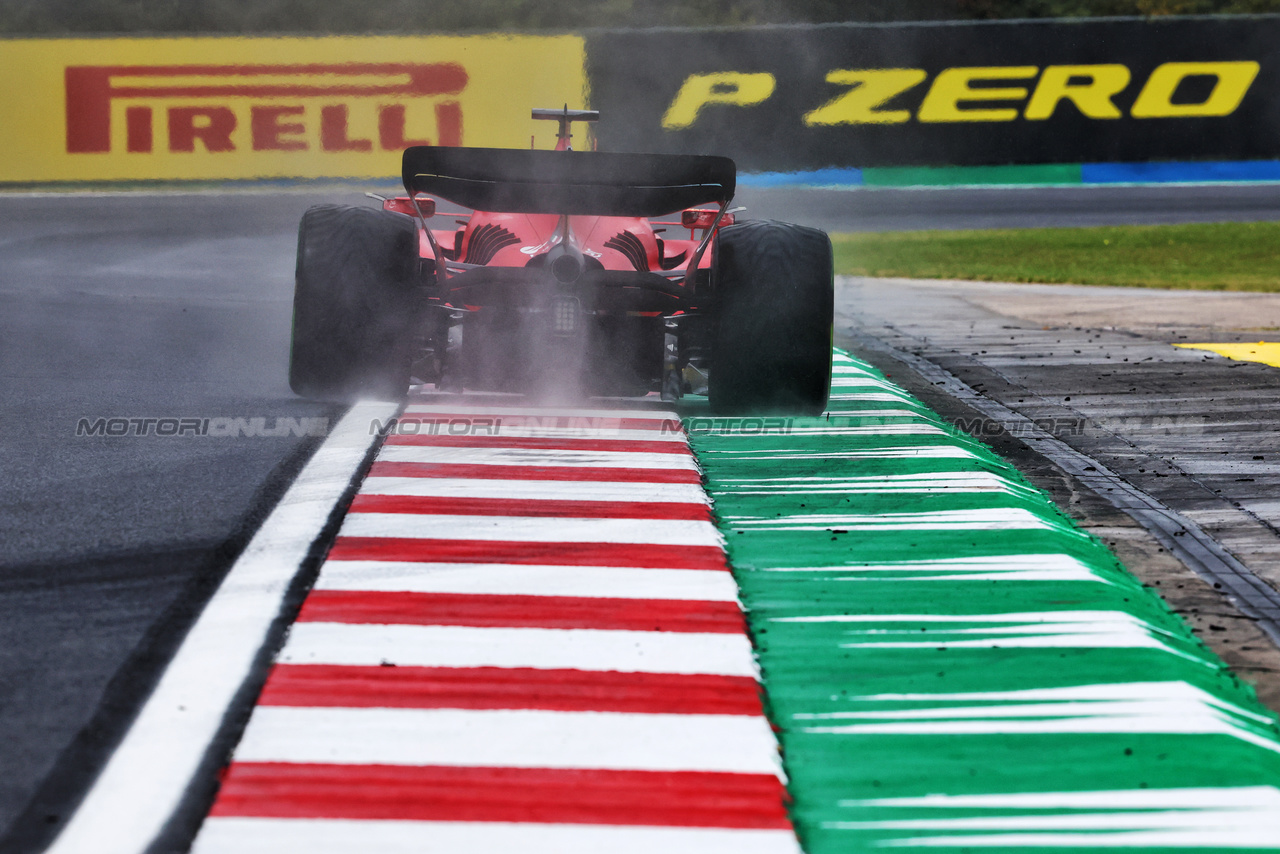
pixel 568 182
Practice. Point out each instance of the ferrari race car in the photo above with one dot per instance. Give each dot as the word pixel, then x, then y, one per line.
pixel 563 281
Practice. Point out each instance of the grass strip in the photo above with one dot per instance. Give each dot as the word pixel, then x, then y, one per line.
pixel 1214 256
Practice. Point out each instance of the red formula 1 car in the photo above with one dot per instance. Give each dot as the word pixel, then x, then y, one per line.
pixel 560 282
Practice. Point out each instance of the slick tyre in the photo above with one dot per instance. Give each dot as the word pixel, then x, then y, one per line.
pixel 355 310
pixel 775 296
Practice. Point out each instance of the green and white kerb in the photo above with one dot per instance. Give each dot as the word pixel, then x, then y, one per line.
pixel 952 664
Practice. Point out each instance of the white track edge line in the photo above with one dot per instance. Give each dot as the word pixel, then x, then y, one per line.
pixel 146 777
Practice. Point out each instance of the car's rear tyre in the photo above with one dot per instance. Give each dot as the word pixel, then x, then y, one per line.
pixel 775 296
pixel 354 304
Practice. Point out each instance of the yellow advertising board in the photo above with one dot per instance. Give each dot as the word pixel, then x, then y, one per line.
pixel 111 109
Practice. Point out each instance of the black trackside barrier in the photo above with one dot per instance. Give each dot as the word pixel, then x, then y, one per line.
pixel 568 182
pixel 958 93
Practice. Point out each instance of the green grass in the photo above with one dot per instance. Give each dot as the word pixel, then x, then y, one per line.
pixel 1219 256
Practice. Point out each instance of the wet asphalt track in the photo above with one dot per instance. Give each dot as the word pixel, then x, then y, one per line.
pixel 177 306
pixel 130 306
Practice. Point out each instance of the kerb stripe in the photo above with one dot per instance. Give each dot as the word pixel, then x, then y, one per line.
pixel 495 454
pixel 541 416
pixel 524 637
pixel 510 738
pixel 448 793
pixel 648 446
pixel 347 836
pixel 510 688
pixel 543 612
pixel 431 505
pixel 550 649
pixel 536 490
pixel 524 552
pixel 510 472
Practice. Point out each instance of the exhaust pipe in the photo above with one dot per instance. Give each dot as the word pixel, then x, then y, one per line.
pixel 564 259
pixel 565 262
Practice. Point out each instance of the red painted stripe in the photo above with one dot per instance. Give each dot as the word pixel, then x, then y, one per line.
pixel 543 795
pixel 541 612
pixel 531 507
pixel 523 552
pixel 476 422
pixel 538 443
pixel 316 685
pixel 466 423
pixel 567 473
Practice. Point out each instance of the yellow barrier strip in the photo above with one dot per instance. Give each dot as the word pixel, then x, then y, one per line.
pixel 1268 353
pixel 110 109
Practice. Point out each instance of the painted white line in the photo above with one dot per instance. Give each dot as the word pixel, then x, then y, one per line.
pixel 1035 630
pixel 863 382
pixel 1229 817
pixel 1033 567
pixel 1104 692
pixel 329 836
pixel 917 425
pixel 1020 618
pixel 548 416
pixel 1153 708
pixel 866 413
pixel 535 490
pixel 925 429
pixel 511 580
pixel 533 457
pixel 872 397
pixel 146 776
pixel 423 425
pixel 1228 797
pixel 511 738
pixel 914 452
pixel 533 529
pixel 991 519
pixel 1105 700
pixel 546 649
pixel 950 482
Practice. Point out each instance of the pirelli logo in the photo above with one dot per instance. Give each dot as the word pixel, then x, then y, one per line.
pixel 352 108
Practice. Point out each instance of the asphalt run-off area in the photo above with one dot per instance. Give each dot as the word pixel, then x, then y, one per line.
pixel 1016 590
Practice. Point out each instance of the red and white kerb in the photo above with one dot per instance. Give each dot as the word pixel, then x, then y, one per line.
pixel 525 638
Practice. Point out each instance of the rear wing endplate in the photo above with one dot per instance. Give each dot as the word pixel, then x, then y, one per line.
pixel 569 182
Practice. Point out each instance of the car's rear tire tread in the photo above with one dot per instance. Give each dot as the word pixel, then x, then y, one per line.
pixel 355 306
pixel 775 304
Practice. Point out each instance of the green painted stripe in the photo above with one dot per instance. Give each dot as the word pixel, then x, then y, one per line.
pixel 953 665
pixel 949 176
